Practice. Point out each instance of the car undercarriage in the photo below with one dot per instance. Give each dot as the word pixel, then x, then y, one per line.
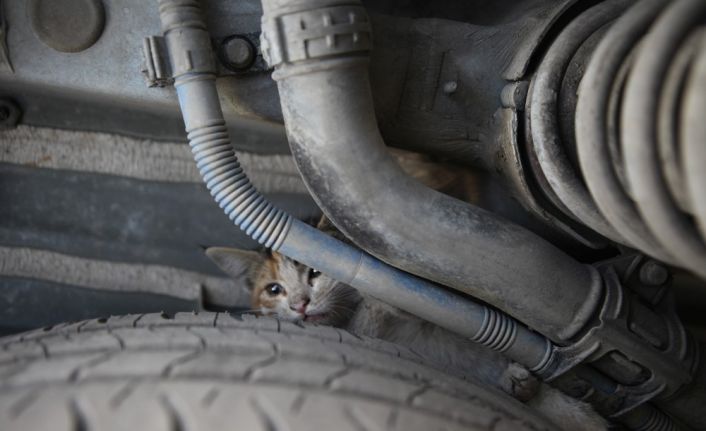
pixel 580 253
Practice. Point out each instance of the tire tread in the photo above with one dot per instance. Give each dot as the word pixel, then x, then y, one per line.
pixel 185 366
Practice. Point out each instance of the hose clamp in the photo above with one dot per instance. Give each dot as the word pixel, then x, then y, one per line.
pixel 311 34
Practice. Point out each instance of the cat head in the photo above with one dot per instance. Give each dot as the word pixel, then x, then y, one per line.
pixel 287 289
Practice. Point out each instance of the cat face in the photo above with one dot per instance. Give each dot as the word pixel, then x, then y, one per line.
pixel 289 290
pixel 295 292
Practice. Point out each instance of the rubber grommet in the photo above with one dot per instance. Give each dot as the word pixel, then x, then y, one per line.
pixel 67 25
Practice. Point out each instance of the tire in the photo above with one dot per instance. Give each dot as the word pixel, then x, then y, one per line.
pixel 213 371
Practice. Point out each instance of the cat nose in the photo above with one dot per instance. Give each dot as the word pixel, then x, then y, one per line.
pixel 301 306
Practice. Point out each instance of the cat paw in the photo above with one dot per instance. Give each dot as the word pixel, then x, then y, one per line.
pixel 518 382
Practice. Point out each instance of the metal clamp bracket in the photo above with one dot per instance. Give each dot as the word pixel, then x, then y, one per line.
pixel 156 70
pixel 316 33
pixel 666 357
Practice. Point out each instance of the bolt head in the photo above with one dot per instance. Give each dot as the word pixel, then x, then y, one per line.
pixel 450 87
pixel 514 95
pixel 238 53
pixel 653 274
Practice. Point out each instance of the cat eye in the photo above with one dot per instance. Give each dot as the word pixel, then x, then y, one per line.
pixel 313 274
pixel 274 289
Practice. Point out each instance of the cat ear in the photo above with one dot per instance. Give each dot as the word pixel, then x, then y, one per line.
pixel 325 224
pixel 234 262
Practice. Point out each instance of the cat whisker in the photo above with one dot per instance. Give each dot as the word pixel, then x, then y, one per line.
pixel 338 297
pixel 342 307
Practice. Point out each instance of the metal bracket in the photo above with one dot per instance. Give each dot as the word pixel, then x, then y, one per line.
pixel 660 349
pixel 157 71
pixel 258 64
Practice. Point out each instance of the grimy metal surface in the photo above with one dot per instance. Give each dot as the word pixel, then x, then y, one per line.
pixel 103 85
pixel 418 53
pixel 105 88
pixel 335 140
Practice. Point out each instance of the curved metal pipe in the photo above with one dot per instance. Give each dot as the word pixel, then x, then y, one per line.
pixel 328 112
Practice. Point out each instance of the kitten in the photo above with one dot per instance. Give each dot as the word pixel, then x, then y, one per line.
pixel 291 291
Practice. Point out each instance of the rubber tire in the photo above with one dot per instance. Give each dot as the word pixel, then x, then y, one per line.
pixel 213 371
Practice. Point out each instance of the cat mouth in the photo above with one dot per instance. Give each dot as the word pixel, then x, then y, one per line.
pixel 315 317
